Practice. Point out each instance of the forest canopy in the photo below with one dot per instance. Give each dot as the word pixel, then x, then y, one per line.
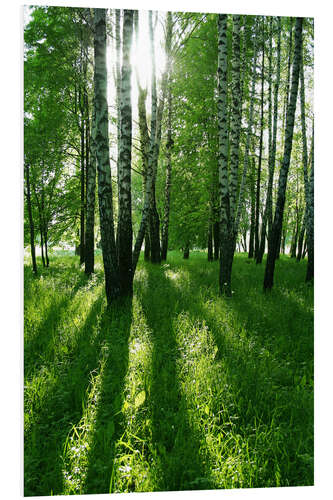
pixel 207 142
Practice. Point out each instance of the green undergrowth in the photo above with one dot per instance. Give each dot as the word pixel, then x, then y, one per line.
pixel 176 389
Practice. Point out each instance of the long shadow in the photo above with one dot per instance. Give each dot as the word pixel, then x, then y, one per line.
pixel 39 344
pixel 261 366
pixel 110 420
pixel 57 406
pixel 175 441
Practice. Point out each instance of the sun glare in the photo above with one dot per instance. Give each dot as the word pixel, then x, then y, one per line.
pixel 141 60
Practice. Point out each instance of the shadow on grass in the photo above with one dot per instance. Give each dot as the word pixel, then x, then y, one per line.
pixel 176 443
pixel 110 424
pixel 265 343
pixel 39 345
pixel 58 405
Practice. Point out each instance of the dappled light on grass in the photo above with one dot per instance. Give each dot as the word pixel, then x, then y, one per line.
pixel 176 389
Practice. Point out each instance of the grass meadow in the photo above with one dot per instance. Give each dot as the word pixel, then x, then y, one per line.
pixel 176 389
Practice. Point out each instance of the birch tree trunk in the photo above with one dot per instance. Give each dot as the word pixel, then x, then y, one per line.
pixel 82 158
pixel 118 100
pixel 256 231
pixel 310 217
pixel 225 249
pixel 103 162
pixel 210 242
pixel 235 122
pixel 253 211
pixel 216 239
pixel 145 144
pixel 301 239
pixel 42 242
pixel 278 216
pixel 248 140
pixel 261 250
pixel 308 183
pixel 169 144
pixel 125 235
pixel 91 188
pixel 273 150
pixel 31 221
pixel 154 224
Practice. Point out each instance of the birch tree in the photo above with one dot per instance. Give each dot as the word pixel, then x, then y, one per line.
pixel 226 241
pixel 153 155
pixel 274 238
pixel 103 161
pixel 125 158
pixel 310 217
pixel 91 188
pixel 31 221
pixel 169 144
pixel 267 220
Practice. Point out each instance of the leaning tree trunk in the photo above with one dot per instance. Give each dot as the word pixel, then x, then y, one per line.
pixel 280 202
pixel 268 209
pixel 146 152
pixel 144 149
pixel 31 221
pixel 125 235
pixel 91 188
pixel 301 240
pixel 102 156
pixel 308 182
pixel 272 155
pixel 310 217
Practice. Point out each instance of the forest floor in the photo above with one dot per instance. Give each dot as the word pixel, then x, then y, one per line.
pixel 177 389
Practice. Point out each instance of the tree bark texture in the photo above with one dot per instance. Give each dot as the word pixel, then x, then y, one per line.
pixel 253 211
pixel 91 189
pixel 280 202
pixel 248 139
pixel 235 122
pixel 169 144
pixel 310 217
pixel 103 162
pixel 118 104
pixel 210 242
pixel 225 227
pixel 31 221
pixel 256 231
pixel 154 223
pixel 272 152
pixel 125 235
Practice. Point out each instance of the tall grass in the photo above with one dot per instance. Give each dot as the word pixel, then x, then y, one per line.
pixel 176 389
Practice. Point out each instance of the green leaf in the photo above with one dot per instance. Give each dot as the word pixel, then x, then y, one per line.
pixel 140 399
